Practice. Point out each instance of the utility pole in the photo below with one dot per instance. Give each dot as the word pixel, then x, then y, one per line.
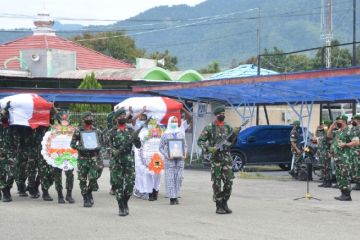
pixel 354 34
pixel 258 39
pixel 326 28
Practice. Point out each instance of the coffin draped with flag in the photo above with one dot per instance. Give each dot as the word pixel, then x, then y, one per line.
pixel 160 108
pixel 27 110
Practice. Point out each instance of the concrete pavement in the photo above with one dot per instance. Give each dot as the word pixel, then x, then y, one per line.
pixel 263 209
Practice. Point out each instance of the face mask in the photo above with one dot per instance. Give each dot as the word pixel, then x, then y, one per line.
pixel 121 121
pixel 173 125
pixel 354 124
pixel 4 120
pixel 88 121
pixel 221 118
pixel 339 125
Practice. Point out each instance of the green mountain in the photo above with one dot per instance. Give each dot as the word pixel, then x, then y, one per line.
pixel 226 30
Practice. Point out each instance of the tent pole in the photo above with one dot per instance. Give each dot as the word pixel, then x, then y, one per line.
pixel 266 115
pixel 257 115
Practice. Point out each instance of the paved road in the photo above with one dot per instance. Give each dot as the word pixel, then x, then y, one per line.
pixel 263 209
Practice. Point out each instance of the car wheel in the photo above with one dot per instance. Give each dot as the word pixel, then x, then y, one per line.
pixel 238 160
pixel 285 167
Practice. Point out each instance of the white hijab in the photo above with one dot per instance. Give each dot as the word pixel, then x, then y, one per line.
pixel 169 129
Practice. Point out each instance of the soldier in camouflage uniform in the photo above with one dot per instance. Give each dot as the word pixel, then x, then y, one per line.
pixel 355 150
pixel 7 165
pixel 110 125
pixel 46 172
pixel 341 139
pixel 88 159
pixel 122 139
pixel 295 140
pixel 221 161
pixel 324 153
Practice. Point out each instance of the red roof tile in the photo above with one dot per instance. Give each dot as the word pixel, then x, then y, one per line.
pixel 85 58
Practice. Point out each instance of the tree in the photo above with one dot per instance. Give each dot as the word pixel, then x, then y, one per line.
pixel 213 67
pixel 114 44
pixel 169 61
pixel 340 57
pixel 90 82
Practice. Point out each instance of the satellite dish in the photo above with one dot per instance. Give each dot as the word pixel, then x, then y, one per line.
pixel 35 57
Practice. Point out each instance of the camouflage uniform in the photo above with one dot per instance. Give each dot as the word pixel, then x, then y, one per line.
pixel 221 161
pixel 123 169
pixel 110 124
pixel 89 163
pixel 7 164
pixel 295 137
pixel 342 159
pixel 324 157
pixel 354 156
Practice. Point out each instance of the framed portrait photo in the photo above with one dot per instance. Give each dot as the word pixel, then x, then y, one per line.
pixel 176 148
pixel 89 139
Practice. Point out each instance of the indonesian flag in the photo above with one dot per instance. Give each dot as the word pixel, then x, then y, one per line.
pixel 160 108
pixel 28 110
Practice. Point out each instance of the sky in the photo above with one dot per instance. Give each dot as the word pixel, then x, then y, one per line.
pixel 13 11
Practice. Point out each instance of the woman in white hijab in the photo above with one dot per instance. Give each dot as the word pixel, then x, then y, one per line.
pixel 174 139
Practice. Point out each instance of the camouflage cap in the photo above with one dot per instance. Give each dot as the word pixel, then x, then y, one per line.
pixel 119 112
pixel 296 122
pixel 327 122
pixel 85 114
pixel 356 117
pixel 342 117
pixel 218 110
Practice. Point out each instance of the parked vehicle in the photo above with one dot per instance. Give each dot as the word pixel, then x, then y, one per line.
pixel 263 145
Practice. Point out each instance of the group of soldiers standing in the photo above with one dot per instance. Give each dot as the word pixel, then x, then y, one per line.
pixel 338 149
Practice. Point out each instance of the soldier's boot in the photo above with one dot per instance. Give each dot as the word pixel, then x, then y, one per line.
pixel 46 196
pixel 87 203
pixel 90 197
pixel 220 208
pixel 0 193
pixel 172 201
pixel 327 184
pixel 33 193
pixel 22 190
pixel 151 197
pixel 6 195
pixel 176 201
pixel 61 199
pixel 69 197
pixel 126 206
pixel 356 187
pixel 155 194
pixel 122 211
pixel 225 207
pixel 345 196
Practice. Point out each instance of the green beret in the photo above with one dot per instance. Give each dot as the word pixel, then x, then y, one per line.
pixel 342 117
pixel 327 122
pixel 356 117
pixel 296 122
pixel 119 112
pixel 218 110
pixel 85 114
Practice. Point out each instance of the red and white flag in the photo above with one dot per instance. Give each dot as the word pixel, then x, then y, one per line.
pixel 28 110
pixel 160 108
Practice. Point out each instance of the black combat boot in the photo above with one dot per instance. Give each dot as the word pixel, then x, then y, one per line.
pixel 345 196
pixel 87 203
pixel 155 194
pixel 33 192
pixel 151 197
pixel 126 206
pixel 6 195
pixel 225 207
pixel 69 197
pixel 219 208
pixel 172 201
pixel 0 193
pixel 60 197
pixel 176 201
pixel 22 190
pixel 91 199
pixel 357 186
pixel 46 196
pixel 122 211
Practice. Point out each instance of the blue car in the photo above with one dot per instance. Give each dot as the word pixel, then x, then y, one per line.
pixel 263 145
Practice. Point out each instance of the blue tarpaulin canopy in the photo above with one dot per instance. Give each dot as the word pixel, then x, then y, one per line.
pixel 318 86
